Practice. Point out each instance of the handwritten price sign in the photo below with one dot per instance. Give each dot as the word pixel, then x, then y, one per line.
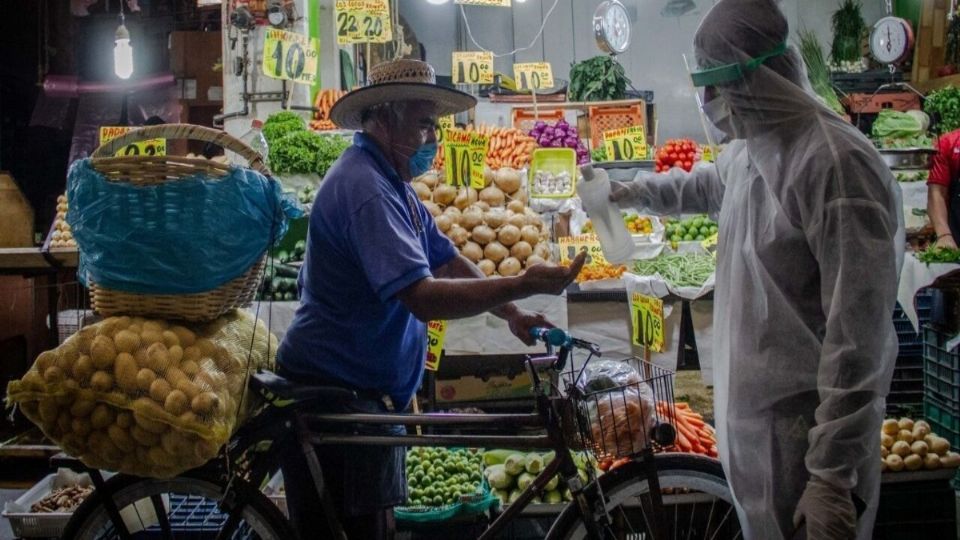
pixel 436 333
pixel 363 21
pixel 474 67
pixel 150 147
pixel 466 153
pixel 571 246
pixel 290 56
pixel 533 75
pixel 647 322
pixel 625 144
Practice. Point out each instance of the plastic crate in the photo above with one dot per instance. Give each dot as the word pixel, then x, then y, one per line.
pixel 922 509
pixel 526 119
pixel 911 342
pixel 941 368
pixel 192 515
pixel 944 420
pixel 604 118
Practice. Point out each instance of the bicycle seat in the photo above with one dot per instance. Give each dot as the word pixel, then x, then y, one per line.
pixel 275 388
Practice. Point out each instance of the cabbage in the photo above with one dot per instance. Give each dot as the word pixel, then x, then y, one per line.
pixel 514 464
pixel 533 463
pixel 498 478
pixel 524 480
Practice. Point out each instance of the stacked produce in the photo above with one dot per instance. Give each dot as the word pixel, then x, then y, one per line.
pixel 296 150
pixel 694 229
pixel 944 104
pixel 679 269
pixel 493 227
pixel 934 254
pixel 682 153
pixel 599 272
pixel 506 147
pixel 62 499
pixel 895 129
pixel 561 135
pixel 322 104
pixel 509 473
pixel 694 435
pixel 62 236
pixel 910 445
pixel 280 279
pixel 143 396
pixel 440 477
pixel 636 224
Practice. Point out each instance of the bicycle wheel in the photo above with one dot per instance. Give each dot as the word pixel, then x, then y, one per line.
pixel 190 506
pixel 697 503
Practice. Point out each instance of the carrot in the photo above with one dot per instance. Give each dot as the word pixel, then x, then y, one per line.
pixel 682 443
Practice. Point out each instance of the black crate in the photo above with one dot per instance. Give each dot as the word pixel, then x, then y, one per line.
pixel 866 82
pixel 924 509
pixel 941 369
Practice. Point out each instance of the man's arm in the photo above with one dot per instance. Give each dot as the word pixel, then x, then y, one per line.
pixel 937 196
pixel 462 267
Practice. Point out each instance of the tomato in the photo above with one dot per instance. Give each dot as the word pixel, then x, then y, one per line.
pixel 688 165
pixel 674 156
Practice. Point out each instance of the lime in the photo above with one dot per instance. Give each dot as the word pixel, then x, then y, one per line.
pixel 713 229
pixel 705 230
pixel 700 238
pixel 438 501
pixel 688 237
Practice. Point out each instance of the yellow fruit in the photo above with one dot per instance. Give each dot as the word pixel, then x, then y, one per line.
pixel 127 341
pixel 177 402
pixel 891 427
pixel 159 390
pixel 102 352
pixel 82 369
pixel 101 381
pixel 102 416
pixel 170 338
pixel 145 378
pixel 125 370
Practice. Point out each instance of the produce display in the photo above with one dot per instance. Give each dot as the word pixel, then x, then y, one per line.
pixel 935 254
pixel 597 273
pixel 546 183
pixel 62 500
pixel 909 445
pixel 561 135
pixel 600 78
pixel 441 477
pixel 493 227
pixel 944 104
pixel 62 235
pixel 895 129
pixel 678 269
pixel 509 473
pixel 322 104
pixel 144 396
pixel 694 436
pixel 682 153
pixel 849 31
pixel 912 176
pixel 506 147
pixel 818 73
pixel 694 229
pixel 280 278
pixel 296 150
pixel 636 224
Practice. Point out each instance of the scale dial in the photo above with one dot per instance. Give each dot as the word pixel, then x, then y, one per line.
pixel 891 40
pixel 611 27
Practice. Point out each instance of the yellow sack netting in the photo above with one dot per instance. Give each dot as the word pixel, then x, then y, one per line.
pixel 144 396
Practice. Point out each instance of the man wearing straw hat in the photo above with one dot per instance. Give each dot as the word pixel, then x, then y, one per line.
pixel 376 269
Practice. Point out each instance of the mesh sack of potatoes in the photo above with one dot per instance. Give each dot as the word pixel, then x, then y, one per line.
pixel 143 396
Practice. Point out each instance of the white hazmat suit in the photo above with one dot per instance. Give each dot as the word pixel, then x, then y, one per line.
pixel 810 249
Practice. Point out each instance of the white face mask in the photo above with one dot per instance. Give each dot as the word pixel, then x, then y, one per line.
pixel 719 120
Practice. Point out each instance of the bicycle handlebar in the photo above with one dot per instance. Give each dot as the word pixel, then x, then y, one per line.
pixel 556 337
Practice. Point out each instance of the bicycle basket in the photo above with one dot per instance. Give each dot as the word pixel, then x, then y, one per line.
pixel 619 406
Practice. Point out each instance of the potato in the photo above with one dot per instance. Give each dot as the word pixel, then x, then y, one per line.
pixel 920 431
pixel 894 462
pixel 940 446
pixel 158 456
pixel 33 380
pixel 45 359
pixel 886 440
pixel 53 375
pixel 884 451
pixel 143 436
pixel 176 355
pixel 205 403
pixel 913 462
pixel 102 416
pixel 145 378
pixel 101 381
pixel 158 359
pixel 171 442
pixel 81 426
pixel 951 460
pixel 929 438
pixel 159 390
pixel 125 419
pixel 125 371
pixel 191 354
pixel 66 362
pixel 64 423
pixel 207 348
pixel 135 327
pixel 919 448
pixel 906 436
pixel 185 336
pixel 127 341
pixel 177 401
pixel 931 461
pixel 170 339
pixel 110 326
pixel 883 466
pixel 190 368
pixel 69 388
pixel 82 369
pixel 102 352
pixel 891 427
pixel 82 407
pixel 922 423
pixel 149 337
pixel 121 438
pixel 205 450
pixel 155 325
pixel 173 376
pixel 905 423
pixel 901 448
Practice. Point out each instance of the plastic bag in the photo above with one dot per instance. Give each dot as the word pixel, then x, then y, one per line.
pixel 620 406
pixel 188 236
pixel 144 396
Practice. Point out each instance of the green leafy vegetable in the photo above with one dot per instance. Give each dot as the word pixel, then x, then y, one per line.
pixel 679 269
pixel 284 117
pixel 849 29
pixel 330 150
pixel 939 255
pixel 895 125
pixel 944 106
pixel 600 78
pixel 303 152
pixel 599 154
pixel 817 70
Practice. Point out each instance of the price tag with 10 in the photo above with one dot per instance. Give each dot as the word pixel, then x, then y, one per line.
pixel 363 21
pixel 625 144
pixel 473 67
pixel 436 333
pixel 571 246
pixel 149 147
pixel 290 56
pixel 648 325
pixel 533 75
pixel 465 155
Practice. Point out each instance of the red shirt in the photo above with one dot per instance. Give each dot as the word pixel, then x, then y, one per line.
pixel 946 162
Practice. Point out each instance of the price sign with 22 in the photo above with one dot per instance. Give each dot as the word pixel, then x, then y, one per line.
pixel 363 21
pixel 149 147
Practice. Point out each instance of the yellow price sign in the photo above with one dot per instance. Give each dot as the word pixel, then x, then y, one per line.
pixel 465 154
pixel 571 246
pixel 473 67
pixel 533 75
pixel 493 3
pixel 648 325
pixel 290 56
pixel 625 144
pixel 708 154
pixel 436 333
pixel 444 123
pixel 149 147
pixel 363 21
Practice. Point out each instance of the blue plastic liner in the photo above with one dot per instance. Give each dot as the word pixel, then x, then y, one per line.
pixel 186 236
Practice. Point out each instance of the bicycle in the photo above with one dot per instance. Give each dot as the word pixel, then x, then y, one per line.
pixel 652 495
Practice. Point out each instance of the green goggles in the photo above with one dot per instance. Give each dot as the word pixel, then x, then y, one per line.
pixel 734 72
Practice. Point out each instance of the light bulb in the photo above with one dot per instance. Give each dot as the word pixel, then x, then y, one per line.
pixel 123 54
pixel 437 2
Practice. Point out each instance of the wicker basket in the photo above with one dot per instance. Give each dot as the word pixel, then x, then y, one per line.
pixel 154 170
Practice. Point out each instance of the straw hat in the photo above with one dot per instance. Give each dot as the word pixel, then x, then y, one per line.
pixel 399 80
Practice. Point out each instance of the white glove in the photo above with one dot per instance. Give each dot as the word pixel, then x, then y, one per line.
pixel 829 512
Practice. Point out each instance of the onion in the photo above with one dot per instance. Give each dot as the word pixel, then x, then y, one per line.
pixel 465 198
pixel 454 214
pixel 521 250
pixel 444 223
pixel 516 206
pixel 481 205
pixel 519 195
pixel 509 267
pixel 489 176
pixel 534 260
pixel 508 180
pixel 487 266
pixel 459 235
pixel 495 218
pixel 483 235
pixel 492 196
pixel 542 250
pixel 508 235
pixel 433 208
pixel 495 252
pixel 472 251
pixel 517 220
pixel 444 194
pixel 530 234
pixel 422 190
pixel 430 178
pixel 471 218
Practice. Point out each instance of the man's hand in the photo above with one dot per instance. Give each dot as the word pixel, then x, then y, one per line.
pixel 946 241
pixel 549 279
pixel 829 512
pixel 521 321
pixel 619 192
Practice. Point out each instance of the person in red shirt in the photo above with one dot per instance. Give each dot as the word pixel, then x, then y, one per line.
pixel 943 190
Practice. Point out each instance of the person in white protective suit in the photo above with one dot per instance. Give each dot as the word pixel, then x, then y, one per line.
pixel 810 249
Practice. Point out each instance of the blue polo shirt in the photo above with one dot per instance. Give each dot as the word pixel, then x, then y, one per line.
pixel 364 245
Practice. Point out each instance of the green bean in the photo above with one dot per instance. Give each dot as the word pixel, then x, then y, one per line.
pixel 679 269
